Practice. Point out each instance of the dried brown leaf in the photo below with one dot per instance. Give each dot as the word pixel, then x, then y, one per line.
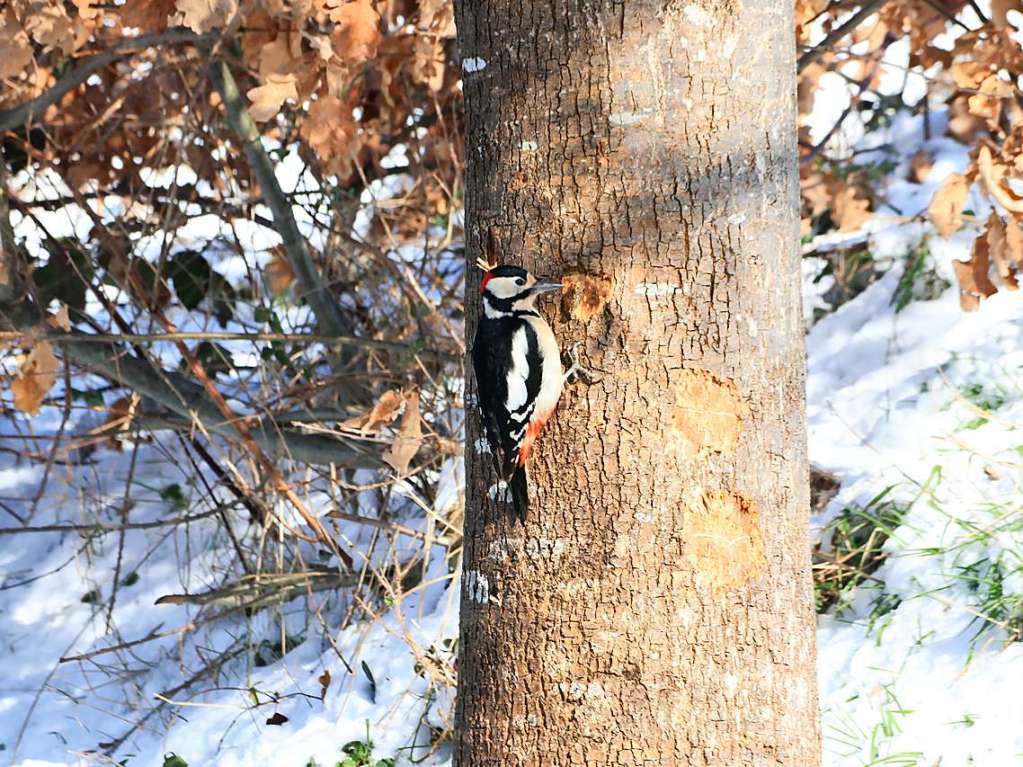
pixel 1000 11
pixel 358 30
pixel 851 209
pixel 383 412
pixel 278 272
pixel 90 11
pixel 275 58
pixel 61 319
pixel 119 419
pixel 15 48
pixel 50 26
pixel 268 98
pixel 920 166
pixel 998 247
pixel 324 679
pixel 36 376
pixel 147 15
pixel 410 436
pixel 972 276
pixel 331 132
pixel 991 172
pixel 1013 252
pixel 203 15
pixel 428 62
pixel 946 208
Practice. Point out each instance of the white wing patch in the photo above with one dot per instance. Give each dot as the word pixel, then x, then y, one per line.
pixel 518 371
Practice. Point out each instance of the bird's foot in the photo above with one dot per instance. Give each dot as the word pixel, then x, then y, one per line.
pixel 577 370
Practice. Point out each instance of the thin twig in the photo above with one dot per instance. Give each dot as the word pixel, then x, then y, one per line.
pixel 324 305
pixel 810 56
pixel 30 111
pixel 215 335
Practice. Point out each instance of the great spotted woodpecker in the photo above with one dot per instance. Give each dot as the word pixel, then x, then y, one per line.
pixel 518 371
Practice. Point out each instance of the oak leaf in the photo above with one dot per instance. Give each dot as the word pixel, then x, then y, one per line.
pixel 920 166
pixel 357 34
pixel 382 412
pixel 331 132
pixel 428 62
pixel 275 58
pixel 278 272
pixel 147 15
pixel 15 49
pixel 203 15
pixel 36 376
pixel 1005 241
pixel 50 26
pixel 946 208
pixel 1000 11
pixel 61 319
pixel 409 438
pixel 991 172
pixel 972 276
pixel 851 209
pixel 267 99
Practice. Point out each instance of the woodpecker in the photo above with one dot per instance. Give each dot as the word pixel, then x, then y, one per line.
pixel 518 371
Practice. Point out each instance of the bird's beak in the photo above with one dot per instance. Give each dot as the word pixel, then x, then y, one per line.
pixel 541 286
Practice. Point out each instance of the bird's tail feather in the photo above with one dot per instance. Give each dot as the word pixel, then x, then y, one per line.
pixel 519 493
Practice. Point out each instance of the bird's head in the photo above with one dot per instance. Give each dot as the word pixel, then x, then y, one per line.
pixel 507 289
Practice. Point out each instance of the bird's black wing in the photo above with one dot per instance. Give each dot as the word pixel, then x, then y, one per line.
pixel 496 366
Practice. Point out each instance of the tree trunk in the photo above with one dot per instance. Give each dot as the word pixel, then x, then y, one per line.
pixel 656 608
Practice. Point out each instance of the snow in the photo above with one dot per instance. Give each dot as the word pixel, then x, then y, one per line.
pixel 473 64
pixel 56 713
pixel 891 405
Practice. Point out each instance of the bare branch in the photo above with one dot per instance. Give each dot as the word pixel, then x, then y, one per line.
pixel 30 111
pixel 215 335
pixel 187 400
pixel 324 305
pixel 868 8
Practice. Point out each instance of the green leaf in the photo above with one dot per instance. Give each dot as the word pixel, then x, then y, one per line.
pixel 214 357
pixel 130 579
pixel 88 396
pixel 359 750
pixel 372 683
pixel 191 276
pixel 173 760
pixel 64 277
pixel 174 495
pixel 224 298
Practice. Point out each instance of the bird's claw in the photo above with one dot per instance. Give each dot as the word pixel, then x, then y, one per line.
pixel 578 371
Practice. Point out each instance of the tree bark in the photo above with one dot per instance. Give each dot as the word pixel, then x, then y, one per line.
pixel 656 608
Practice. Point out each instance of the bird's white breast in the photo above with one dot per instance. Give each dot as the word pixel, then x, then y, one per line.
pixel 552 376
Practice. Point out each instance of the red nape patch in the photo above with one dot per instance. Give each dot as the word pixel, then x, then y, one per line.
pixel 487 277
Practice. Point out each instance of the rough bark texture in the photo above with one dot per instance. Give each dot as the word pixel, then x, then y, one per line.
pixel 656 609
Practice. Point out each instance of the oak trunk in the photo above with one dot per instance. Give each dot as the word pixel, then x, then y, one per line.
pixel 656 608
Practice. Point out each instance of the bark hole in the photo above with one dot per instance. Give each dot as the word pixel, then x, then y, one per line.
pixel 723 539
pixel 585 296
pixel 709 413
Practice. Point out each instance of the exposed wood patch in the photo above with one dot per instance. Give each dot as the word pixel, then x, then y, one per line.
pixel 709 413
pixel 585 295
pixel 723 540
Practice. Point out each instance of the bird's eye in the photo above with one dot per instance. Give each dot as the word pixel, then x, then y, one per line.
pixel 520 281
